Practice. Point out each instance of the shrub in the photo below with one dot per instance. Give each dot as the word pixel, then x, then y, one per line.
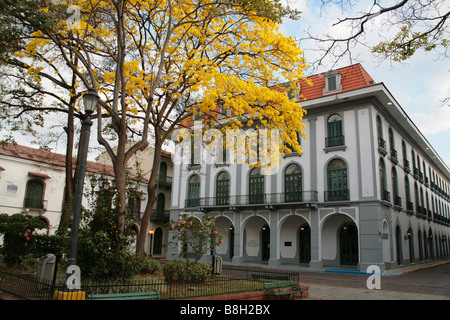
pixel 180 271
pixel 148 266
pixel 18 236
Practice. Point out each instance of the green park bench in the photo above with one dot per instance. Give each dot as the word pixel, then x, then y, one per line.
pixel 282 288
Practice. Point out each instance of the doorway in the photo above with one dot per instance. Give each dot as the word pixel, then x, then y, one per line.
pixel 348 239
pixel 265 243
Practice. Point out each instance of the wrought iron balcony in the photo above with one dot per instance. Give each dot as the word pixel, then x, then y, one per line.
pixel 35 203
pixel 164 181
pixel 334 141
pixel 160 215
pixel 337 195
pixel 303 197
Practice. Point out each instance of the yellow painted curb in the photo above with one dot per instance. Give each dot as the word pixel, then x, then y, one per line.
pixel 76 295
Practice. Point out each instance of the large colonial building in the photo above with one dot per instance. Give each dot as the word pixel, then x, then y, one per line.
pixel 368 188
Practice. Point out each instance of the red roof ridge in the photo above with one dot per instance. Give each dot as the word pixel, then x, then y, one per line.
pixel 48 157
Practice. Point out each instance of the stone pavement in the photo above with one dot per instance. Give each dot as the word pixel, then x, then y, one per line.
pixel 329 292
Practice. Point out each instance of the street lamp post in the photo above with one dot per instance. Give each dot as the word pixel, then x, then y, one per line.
pixel 90 100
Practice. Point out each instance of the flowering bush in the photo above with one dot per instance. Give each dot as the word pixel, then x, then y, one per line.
pixel 193 237
pixel 18 236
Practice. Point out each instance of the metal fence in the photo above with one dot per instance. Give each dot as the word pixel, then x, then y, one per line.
pixel 232 280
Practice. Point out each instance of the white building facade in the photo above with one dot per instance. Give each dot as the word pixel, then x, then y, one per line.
pixel 368 188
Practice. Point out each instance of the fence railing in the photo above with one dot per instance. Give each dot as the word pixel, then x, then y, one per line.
pixel 232 280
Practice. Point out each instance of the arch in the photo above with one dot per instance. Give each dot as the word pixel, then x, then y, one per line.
pixel 252 238
pixel 293 183
pixel 226 248
pixel 331 245
pixel 294 240
pixel 337 181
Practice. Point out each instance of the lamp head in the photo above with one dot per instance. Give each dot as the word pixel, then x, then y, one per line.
pixel 90 100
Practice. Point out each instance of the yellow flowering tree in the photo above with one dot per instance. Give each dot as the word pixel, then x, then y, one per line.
pixel 157 63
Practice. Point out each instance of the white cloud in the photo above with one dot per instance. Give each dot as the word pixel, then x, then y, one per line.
pixel 436 120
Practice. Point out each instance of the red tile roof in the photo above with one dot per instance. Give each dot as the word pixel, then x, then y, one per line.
pixel 352 77
pixel 51 158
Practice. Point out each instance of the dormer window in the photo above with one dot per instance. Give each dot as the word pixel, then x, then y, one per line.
pixel 293 93
pixel 332 82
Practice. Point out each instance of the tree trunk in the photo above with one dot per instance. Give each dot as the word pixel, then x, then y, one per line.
pixel 69 195
pixel 151 189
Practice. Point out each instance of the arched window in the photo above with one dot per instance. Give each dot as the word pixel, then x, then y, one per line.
pixel 392 149
pixel 405 157
pixel 35 194
pixel 409 204
pixel 293 183
pixel 160 204
pixel 397 198
pixel 335 135
pixel 223 188
pixel 337 181
pixel 256 186
pixel 381 142
pixel 383 181
pixel 193 191
pixel 162 174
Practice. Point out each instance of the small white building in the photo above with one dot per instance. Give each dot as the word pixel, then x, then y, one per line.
pixel 368 188
pixel 32 181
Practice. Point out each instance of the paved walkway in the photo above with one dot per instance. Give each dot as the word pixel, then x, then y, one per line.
pixel 325 292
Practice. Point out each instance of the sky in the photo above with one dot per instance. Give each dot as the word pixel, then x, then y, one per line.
pixel 419 84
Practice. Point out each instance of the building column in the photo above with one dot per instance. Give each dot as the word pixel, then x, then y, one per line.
pixel 274 260
pixel 238 257
pixel 316 259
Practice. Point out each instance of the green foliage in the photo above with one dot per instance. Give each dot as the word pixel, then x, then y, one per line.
pixel 179 271
pixel 18 236
pixel 406 43
pixel 103 254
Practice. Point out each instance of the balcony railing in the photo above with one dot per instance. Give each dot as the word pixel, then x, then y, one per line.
pixel 256 199
pixel 337 195
pixel 35 203
pixel 334 141
pixel 164 181
pixel 394 155
pixel 385 195
pixel 382 146
pixel 160 215
pixel 397 201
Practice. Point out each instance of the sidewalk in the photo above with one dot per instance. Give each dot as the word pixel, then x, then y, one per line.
pixel 324 292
